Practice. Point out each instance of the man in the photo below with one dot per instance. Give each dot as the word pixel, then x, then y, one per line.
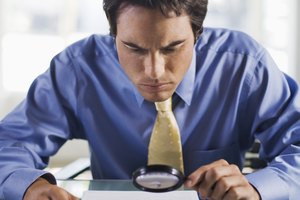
pixel 226 92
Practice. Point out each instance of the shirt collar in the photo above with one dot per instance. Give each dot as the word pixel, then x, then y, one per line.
pixel 185 87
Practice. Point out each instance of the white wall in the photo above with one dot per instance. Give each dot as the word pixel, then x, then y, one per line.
pixel 72 150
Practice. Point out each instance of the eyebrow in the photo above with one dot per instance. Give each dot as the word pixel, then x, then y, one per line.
pixel 171 45
pixel 132 45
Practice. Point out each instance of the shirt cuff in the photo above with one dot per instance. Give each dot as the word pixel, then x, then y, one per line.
pixel 268 183
pixel 18 182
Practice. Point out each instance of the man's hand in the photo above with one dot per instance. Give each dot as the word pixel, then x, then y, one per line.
pixel 41 189
pixel 220 180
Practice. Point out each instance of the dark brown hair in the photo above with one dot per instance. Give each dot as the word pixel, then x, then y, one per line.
pixel 195 9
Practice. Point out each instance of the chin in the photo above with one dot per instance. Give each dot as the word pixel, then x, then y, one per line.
pixel 157 97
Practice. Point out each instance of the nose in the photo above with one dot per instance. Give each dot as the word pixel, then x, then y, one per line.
pixel 154 65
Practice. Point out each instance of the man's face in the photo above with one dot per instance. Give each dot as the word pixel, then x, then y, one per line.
pixel 154 51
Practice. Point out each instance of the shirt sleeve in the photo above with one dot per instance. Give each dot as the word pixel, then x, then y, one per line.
pixel 273 110
pixel 37 128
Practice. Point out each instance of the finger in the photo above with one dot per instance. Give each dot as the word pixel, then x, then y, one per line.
pixel 235 193
pixel 242 192
pixel 196 177
pixel 213 175
pixel 57 193
pixel 223 185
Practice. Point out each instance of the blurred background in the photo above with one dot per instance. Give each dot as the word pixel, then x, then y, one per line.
pixel 33 31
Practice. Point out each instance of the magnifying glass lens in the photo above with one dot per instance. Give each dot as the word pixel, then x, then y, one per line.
pixel 156 180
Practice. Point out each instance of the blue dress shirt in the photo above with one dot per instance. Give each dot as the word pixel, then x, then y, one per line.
pixel 232 94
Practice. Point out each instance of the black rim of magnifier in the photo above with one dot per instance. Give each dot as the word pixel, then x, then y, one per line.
pixel 158 168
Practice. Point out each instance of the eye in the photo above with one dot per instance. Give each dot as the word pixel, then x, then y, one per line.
pixel 168 50
pixel 172 47
pixel 135 49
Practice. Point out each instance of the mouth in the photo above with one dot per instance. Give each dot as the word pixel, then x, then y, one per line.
pixel 155 87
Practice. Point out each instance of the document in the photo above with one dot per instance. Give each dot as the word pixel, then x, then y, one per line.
pixel 138 195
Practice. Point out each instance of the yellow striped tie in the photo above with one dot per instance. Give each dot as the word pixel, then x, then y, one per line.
pixel 165 143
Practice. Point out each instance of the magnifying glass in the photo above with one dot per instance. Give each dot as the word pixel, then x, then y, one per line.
pixel 158 178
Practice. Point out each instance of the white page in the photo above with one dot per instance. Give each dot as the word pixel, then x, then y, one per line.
pixel 139 195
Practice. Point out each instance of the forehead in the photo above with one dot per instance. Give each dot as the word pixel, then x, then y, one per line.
pixel 138 21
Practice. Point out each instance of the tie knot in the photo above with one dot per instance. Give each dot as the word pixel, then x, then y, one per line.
pixel 164 105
